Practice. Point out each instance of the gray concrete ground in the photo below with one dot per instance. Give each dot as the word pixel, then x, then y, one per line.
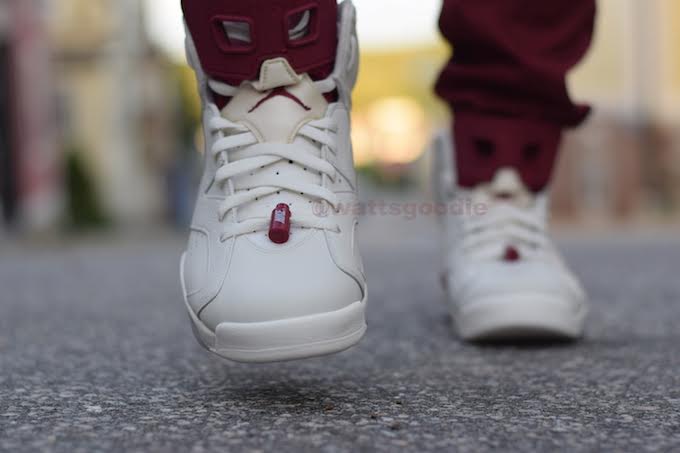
pixel 96 354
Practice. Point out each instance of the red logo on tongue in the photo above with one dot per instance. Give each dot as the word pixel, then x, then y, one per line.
pixel 281 91
pixel 279 228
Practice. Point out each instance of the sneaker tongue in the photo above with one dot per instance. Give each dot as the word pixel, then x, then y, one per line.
pixel 276 73
pixel 507 187
pixel 275 106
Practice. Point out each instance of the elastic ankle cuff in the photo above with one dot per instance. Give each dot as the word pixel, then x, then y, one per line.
pixel 486 143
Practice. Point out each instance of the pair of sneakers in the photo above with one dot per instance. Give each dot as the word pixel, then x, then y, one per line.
pixel 265 278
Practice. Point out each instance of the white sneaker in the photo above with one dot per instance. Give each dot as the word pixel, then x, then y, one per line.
pixel 272 272
pixel 504 278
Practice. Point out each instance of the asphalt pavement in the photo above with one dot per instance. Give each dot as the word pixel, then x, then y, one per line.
pixel 96 354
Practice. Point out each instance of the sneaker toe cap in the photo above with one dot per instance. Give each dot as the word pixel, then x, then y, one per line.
pixel 490 279
pixel 282 283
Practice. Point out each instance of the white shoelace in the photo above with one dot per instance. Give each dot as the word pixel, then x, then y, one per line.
pixel 504 224
pixel 253 156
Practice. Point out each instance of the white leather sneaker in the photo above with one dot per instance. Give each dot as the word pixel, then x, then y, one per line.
pixel 272 270
pixel 504 278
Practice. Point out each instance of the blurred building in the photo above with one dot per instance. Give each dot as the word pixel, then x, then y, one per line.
pixel 622 165
pixel 114 104
pixel 88 115
pixel 395 116
pixel 30 174
pixel 81 82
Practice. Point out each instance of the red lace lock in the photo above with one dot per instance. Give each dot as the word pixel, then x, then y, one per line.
pixel 279 228
pixel 511 254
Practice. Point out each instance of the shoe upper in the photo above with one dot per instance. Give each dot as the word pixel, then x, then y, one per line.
pixel 277 141
pixel 495 238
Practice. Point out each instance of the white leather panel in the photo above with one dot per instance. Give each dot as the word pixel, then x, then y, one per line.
pixel 292 282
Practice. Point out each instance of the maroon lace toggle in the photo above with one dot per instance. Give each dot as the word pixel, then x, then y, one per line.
pixel 511 254
pixel 279 228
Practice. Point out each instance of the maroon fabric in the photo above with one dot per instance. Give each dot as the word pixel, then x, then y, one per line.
pixel 269 22
pixel 485 143
pixel 506 82
pixel 281 91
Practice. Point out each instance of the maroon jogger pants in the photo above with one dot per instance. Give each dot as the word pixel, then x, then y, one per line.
pixel 506 82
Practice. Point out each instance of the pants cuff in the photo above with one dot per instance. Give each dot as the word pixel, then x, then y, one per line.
pixel 486 143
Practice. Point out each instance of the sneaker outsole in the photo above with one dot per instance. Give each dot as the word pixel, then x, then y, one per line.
pixel 520 317
pixel 280 340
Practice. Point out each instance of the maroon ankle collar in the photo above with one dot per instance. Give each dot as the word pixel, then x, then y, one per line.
pixel 486 143
pixel 265 28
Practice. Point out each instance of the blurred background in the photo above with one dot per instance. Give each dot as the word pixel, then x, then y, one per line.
pixel 99 116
